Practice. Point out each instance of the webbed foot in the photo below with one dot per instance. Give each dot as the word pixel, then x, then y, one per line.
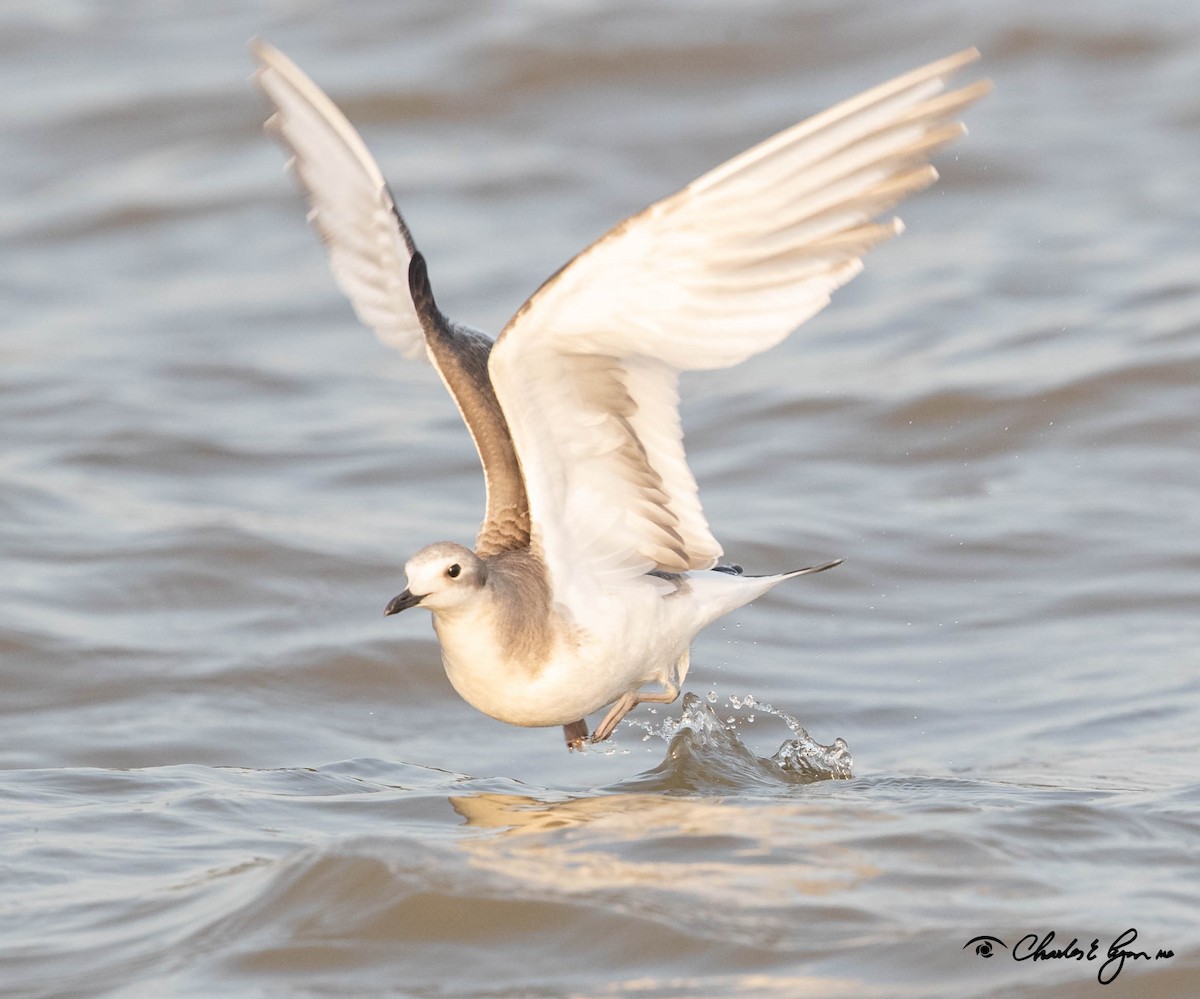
pixel 576 734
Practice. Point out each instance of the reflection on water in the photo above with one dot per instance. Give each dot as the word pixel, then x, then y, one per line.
pixel 681 800
pixel 676 832
pixel 741 860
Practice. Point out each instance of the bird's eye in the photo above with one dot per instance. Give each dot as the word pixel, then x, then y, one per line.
pixel 454 570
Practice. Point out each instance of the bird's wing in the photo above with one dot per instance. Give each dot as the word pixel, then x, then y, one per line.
pixel 586 371
pixel 377 266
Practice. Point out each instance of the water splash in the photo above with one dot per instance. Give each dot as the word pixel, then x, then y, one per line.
pixel 803 754
pixel 705 753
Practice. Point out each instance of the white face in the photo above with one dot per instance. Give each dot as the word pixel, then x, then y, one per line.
pixel 444 576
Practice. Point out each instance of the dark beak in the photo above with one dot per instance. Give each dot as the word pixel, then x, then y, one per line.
pixel 403 602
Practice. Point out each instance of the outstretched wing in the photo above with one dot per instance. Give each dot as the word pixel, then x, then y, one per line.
pixel 586 371
pixel 377 266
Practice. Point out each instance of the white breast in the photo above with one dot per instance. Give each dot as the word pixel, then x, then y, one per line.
pixel 642 638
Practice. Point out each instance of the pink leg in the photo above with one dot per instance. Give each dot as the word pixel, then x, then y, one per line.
pixel 626 703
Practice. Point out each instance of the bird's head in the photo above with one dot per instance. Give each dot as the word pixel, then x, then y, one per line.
pixel 441 577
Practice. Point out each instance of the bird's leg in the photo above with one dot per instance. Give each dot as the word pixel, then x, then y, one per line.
pixel 576 734
pixel 626 703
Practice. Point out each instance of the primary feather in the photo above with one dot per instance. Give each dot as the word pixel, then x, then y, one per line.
pixel 587 369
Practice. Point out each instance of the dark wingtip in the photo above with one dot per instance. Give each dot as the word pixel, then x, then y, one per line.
pixel 815 568
pixel 419 287
pixel 825 566
pixel 828 565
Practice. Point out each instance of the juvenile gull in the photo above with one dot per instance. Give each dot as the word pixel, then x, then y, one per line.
pixel 594 567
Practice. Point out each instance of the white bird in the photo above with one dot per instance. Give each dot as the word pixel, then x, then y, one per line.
pixel 594 567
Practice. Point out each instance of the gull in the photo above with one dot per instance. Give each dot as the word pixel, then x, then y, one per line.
pixel 594 567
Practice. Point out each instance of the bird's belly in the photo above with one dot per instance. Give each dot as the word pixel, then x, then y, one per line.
pixel 580 676
pixel 630 644
pixel 563 690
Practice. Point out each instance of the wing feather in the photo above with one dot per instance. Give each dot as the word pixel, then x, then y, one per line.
pixel 376 264
pixel 587 369
pixel 350 206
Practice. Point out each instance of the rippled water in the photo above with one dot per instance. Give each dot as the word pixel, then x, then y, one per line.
pixel 210 478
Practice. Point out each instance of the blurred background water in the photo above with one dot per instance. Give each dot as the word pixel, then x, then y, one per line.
pixel 224 773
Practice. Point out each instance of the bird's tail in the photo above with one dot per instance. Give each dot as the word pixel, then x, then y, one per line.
pixel 727 589
pixel 803 572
